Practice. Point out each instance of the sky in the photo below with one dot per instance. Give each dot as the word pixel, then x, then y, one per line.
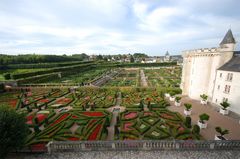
pixel 115 26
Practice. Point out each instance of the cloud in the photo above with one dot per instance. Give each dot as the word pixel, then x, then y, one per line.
pixel 112 27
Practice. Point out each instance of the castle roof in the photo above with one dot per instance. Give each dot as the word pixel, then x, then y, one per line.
pixel 232 65
pixel 167 53
pixel 228 38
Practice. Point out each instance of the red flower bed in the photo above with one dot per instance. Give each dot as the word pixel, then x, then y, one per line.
pixel 147 113
pixel 110 97
pixel 43 101
pixel 29 119
pixel 95 132
pixel 60 119
pixel 13 103
pixel 130 115
pixel 166 116
pixel 149 99
pixel 73 138
pixel 38 147
pixel 63 100
pixel 127 125
pixel 41 117
pixel 181 129
pixel 97 114
pixel 75 117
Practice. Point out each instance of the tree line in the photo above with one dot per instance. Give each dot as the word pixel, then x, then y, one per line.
pixel 33 58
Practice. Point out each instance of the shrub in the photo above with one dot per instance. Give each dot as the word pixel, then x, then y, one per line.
pixel 188 106
pixel 7 76
pixel 221 131
pixel 107 122
pixel 203 117
pixel 204 97
pixel 177 99
pixel 196 129
pixel 188 121
pixel 172 93
pixel 225 105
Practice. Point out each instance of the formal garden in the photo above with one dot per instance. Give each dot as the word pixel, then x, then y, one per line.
pixel 126 78
pixel 83 114
pixel 164 77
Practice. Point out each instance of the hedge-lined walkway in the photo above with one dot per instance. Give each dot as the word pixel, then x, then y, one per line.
pixel 111 129
pixel 143 79
pixel 216 119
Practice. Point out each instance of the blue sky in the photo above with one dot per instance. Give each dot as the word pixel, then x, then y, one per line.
pixel 115 26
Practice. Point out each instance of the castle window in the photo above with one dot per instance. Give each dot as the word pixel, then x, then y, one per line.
pixel 218 87
pixel 220 75
pixel 216 100
pixel 227 89
pixel 229 76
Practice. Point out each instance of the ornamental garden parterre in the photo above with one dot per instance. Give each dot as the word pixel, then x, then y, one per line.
pixel 85 113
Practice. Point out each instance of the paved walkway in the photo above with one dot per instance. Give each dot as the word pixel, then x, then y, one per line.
pixel 216 119
pixel 143 79
pixel 167 154
pixel 111 128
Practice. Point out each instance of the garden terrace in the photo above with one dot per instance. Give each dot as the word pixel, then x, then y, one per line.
pixel 159 125
pixel 125 78
pixel 164 77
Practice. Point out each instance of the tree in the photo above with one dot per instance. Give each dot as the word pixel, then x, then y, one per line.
pixel 132 59
pixel 188 122
pixel 225 105
pixel 7 76
pixel 107 122
pixel 196 129
pixel 221 131
pixel 188 106
pixel 141 105
pixel 13 130
pixel 204 97
pixel 203 117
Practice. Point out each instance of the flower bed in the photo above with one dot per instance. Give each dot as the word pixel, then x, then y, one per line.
pixel 60 119
pixel 130 115
pixel 63 100
pixel 96 131
pixel 94 114
pixel 127 126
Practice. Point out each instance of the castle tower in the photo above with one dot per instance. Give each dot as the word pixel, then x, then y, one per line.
pixel 167 57
pixel 200 66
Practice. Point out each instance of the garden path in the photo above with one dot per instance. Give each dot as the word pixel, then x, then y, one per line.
pixel 143 79
pixel 216 119
pixel 111 130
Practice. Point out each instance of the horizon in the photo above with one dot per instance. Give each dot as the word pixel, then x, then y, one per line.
pixel 111 28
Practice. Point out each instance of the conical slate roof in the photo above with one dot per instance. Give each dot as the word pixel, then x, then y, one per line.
pixel 167 53
pixel 228 38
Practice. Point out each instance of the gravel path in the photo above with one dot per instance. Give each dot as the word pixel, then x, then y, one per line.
pixel 143 79
pixel 135 155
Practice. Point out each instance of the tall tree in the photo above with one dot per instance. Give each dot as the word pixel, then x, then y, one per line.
pixel 13 130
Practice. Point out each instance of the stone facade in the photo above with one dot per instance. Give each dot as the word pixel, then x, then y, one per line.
pixel 200 69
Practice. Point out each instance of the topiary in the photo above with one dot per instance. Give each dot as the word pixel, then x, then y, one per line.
pixel 225 105
pixel 188 121
pixel 221 131
pixel 188 106
pixel 203 117
pixel 204 97
pixel 196 129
